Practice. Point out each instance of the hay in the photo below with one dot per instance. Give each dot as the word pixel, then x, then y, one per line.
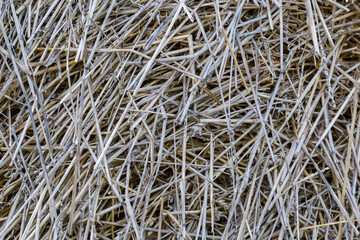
pixel 155 119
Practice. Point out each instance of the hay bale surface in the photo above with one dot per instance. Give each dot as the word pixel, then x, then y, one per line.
pixel 179 119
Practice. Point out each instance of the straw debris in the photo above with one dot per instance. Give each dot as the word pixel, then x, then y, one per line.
pixel 179 119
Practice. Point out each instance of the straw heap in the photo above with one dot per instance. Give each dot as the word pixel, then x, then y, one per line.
pixel 155 119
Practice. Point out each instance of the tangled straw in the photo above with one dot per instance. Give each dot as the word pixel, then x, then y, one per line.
pixel 179 119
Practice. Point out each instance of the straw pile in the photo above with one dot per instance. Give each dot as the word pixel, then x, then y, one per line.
pixel 156 119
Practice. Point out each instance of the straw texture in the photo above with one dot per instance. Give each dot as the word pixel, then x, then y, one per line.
pixel 179 119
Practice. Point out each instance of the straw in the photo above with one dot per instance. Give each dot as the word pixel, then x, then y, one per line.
pixel 179 119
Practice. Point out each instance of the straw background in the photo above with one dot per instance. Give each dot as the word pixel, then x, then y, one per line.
pixel 179 119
